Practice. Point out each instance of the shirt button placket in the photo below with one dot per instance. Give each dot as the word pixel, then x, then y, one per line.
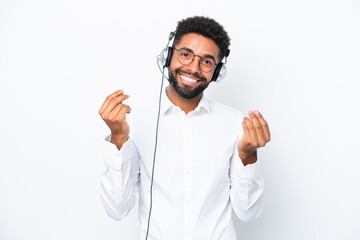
pixel 188 179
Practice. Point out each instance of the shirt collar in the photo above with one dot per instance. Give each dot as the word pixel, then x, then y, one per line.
pixel 167 105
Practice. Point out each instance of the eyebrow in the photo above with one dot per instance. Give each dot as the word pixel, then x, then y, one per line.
pixel 205 56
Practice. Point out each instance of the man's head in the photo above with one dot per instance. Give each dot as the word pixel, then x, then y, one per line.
pixel 199 46
pixel 206 27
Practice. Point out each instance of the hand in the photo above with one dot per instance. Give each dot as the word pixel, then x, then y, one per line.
pixel 256 134
pixel 113 112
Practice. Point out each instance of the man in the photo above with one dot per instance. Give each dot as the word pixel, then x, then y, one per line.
pixel 205 162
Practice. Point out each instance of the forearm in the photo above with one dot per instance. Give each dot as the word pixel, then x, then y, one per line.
pixel 118 185
pixel 116 195
pixel 247 191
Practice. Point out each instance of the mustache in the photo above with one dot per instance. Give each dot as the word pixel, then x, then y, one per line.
pixel 191 74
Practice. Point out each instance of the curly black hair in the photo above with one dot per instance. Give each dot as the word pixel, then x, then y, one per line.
pixel 206 27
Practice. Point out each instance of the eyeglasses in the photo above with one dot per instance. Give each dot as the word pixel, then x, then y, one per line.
pixel 186 57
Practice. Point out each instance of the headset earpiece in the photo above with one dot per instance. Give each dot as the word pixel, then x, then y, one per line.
pixel 168 56
pixel 217 72
pixel 222 74
pixel 164 58
pixel 169 50
pixel 220 70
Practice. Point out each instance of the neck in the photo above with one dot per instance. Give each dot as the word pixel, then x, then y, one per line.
pixel 185 104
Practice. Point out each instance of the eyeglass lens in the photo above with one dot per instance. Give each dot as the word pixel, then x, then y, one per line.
pixel 186 57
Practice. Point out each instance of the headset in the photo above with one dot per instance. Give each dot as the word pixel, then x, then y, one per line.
pixel 163 61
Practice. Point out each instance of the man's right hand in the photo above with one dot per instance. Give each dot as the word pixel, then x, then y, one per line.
pixel 113 112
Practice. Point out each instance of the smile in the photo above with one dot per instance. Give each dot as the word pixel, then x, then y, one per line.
pixel 188 80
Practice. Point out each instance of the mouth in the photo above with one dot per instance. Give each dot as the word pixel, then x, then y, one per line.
pixel 188 80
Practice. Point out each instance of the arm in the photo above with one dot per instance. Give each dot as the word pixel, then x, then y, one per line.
pixel 121 174
pixel 246 184
pixel 120 178
pixel 246 188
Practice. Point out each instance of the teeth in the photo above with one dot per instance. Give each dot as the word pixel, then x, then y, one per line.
pixel 188 79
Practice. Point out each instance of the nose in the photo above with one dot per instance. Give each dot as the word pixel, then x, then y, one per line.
pixel 194 66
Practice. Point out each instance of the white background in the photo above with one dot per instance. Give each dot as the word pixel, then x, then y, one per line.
pixel 296 61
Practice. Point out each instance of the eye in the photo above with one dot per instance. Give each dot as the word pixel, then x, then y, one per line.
pixel 185 55
pixel 208 62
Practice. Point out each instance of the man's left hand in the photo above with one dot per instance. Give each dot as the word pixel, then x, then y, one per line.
pixel 256 135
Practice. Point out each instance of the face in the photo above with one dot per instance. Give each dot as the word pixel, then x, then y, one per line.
pixel 189 80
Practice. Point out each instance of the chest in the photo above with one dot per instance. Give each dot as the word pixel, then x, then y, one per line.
pixel 200 145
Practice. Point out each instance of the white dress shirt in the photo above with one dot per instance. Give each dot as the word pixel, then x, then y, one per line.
pixel 198 176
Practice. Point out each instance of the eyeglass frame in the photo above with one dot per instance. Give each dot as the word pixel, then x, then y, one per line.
pixel 206 56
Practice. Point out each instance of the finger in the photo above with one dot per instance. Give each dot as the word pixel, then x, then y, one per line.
pixel 258 129
pixel 125 109
pixel 251 131
pixel 264 125
pixel 112 116
pixel 119 107
pixel 108 99
pixel 246 130
pixel 114 102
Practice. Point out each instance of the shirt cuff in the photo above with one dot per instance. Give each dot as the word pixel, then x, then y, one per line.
pixel 250 171
pixel 112 155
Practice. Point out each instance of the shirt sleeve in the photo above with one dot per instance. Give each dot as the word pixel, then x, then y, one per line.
pixel 120 178
pixel 246 187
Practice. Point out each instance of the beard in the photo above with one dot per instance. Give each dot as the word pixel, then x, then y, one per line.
pixel 187 91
